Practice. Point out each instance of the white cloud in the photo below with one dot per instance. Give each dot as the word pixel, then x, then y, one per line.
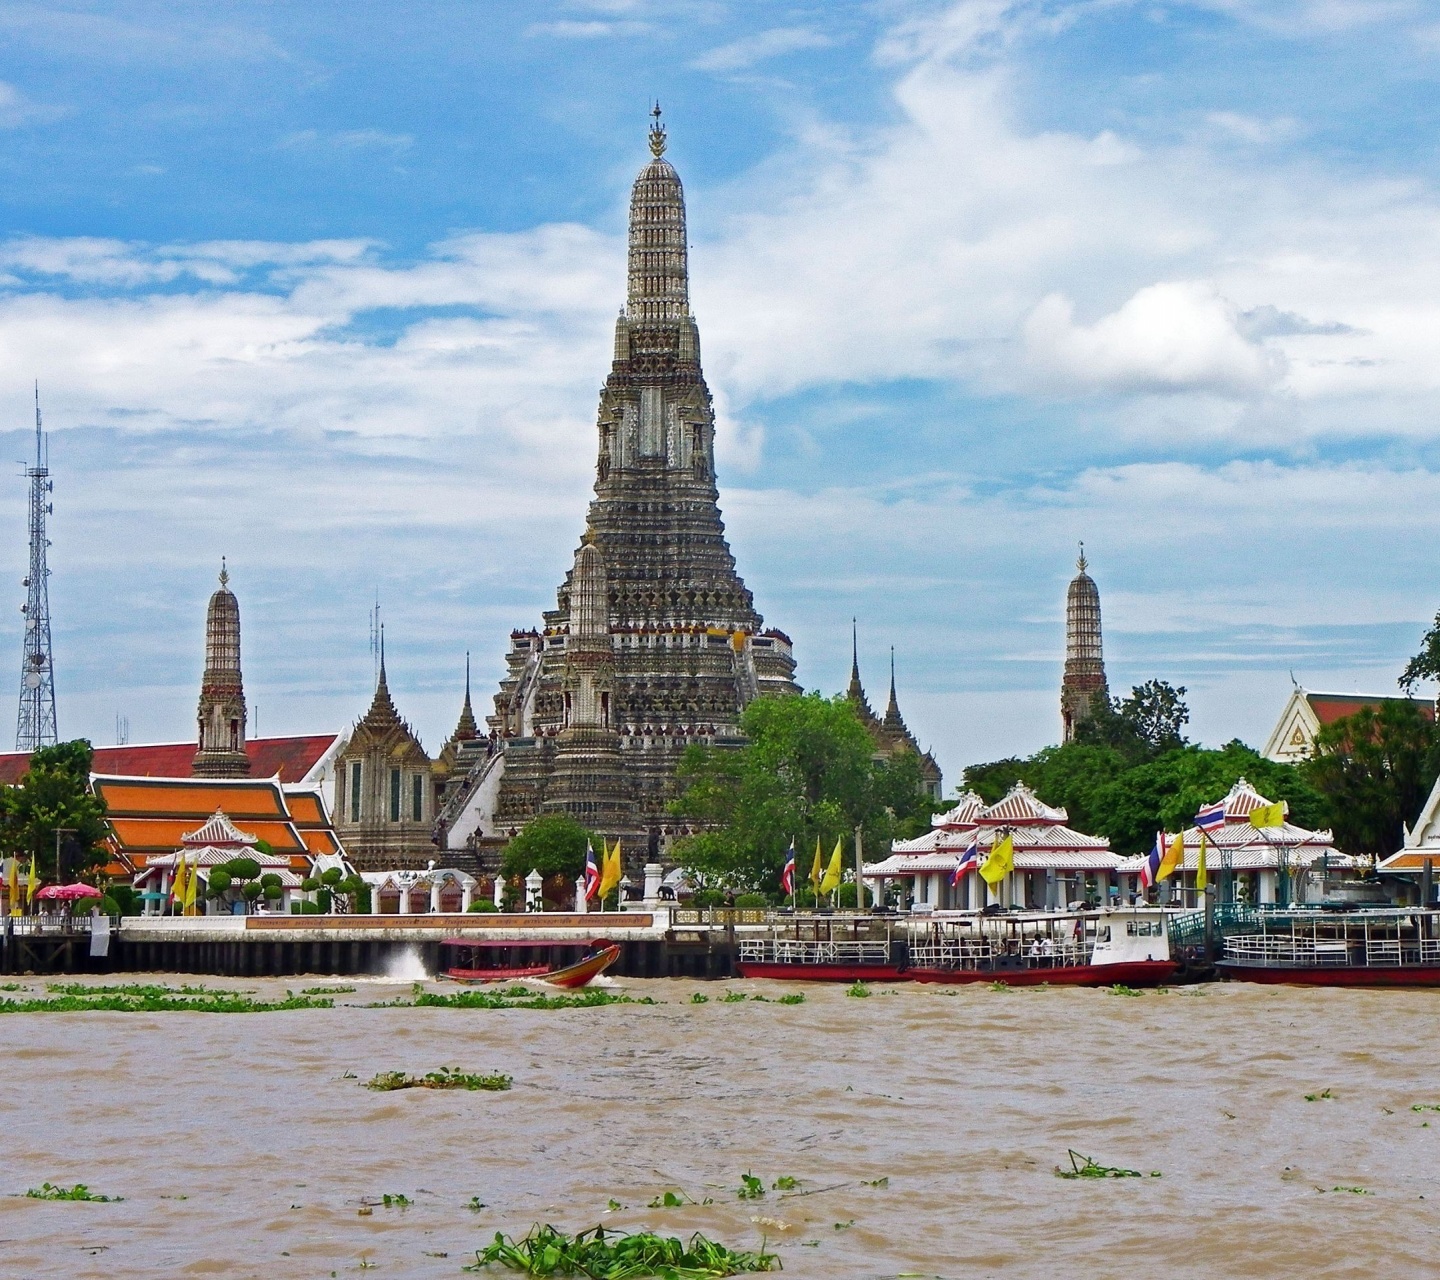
pixel 571 29
pixel 17 110
pixel 740 55
pixel 1172 336
pixel 346 140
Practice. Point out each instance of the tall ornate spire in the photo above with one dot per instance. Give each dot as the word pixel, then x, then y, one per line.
pixel 1084 680
pixel 466 730
pixel 221 714
pixel 893 719
pixel 382 713
pixel 659 287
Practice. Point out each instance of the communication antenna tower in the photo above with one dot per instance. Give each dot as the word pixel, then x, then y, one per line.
pixel 36 725
pixel 122 730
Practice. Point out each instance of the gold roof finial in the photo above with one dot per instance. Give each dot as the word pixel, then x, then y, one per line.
pixel 224 573
pixel 657 133
pixel 1081 563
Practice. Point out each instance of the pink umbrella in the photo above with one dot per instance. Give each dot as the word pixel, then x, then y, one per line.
pixel 68 892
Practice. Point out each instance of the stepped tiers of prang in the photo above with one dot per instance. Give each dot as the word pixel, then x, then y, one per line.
pixel 654 642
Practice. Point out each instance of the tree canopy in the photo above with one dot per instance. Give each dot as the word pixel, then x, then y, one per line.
pixel 1108 793
pixel 552 844
pixel 1425 665
pixel 807 771
pixel 1144 724
pixel 55 793
pixel 1376 768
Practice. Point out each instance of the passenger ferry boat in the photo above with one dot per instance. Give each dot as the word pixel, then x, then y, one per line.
pixel 474 961
pixel 1366 947
pixel 825 948
pixel 1114 946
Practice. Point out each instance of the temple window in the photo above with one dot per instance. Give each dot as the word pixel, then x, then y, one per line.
pixel 417 798
pixel 355 791
pixel 394 795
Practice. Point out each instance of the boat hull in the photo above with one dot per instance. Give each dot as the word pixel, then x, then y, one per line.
pixel 822 972
pixel 479 977
pixel 1132 973
pixel 583 971
pixel 1333 975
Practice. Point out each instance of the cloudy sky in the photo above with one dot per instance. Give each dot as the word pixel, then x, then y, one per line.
pixel 328 288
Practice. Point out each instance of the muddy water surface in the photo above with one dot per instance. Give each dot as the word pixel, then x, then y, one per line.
pixel 243 1148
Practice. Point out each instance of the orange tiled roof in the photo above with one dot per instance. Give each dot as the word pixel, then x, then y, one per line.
pixel 163 835
pixel 320 840
pixel 289 758
pixel 306 809
pixel 240 798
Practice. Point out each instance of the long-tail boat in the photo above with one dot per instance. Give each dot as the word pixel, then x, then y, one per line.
pixel 475 961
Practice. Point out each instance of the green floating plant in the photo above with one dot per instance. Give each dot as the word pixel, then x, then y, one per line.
pixel 1323 1096
pixel 1120 989
pixel 795 997
pixel 49 1191
pixel 751 1187
pixel 857 989
pixel 614 1255
pixel 1085 1167
pixel 443 1078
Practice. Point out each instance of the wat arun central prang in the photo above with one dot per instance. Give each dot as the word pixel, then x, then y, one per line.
pixel 654 643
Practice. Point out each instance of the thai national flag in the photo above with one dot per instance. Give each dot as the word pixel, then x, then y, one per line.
pixel 787 877
pixel 969 860
pixel 1151 866
pixel 1211 816
pixel 592 874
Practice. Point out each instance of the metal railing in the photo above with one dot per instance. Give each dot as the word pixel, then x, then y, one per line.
pixel 801 951
pixel 966 953
pixel 50 926
pixel 1279 950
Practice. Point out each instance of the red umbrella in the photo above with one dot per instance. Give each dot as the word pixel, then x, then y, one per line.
pixel 68 892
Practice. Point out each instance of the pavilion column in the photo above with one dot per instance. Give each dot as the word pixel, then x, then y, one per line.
pixel 1102 886
pixel 467 896
pixel 1267 886
pixel 434 896
pixel 404 900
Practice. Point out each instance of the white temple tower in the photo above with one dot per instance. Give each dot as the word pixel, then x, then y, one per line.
pixel 221 752
pixel 1084 681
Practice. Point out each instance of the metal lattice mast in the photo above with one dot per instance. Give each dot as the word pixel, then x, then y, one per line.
pixel 36 725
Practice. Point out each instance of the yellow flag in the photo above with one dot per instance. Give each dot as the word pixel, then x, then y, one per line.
pixel 610 874
pixel 1000 862
pixel 34 882
pixel 15 908
pixel 1201 880
pixel 177 884
pixel 817 872
pixel 1268 815
pixel 192 881
pixel 1174 857
pixel 834 871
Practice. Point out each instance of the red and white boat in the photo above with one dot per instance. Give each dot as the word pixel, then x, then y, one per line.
pixel 1118 946
pixel 475 961
pixel 1330 947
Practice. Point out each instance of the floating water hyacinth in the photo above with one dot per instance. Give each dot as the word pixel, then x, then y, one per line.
pixel 619 1256
pixel 1086 1167
pixel 444 1078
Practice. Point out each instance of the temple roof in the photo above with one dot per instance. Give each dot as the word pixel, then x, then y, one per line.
pixel 288 759
pixel 218 830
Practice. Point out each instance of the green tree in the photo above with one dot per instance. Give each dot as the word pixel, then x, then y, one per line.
pixel 1425 665
pixel 807 771
pixel 1108 793
pixel 552 844
pixel 1376 768
pixel 55 793
pixel 1144 724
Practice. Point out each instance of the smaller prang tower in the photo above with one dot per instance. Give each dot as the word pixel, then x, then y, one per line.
pixel 1084 683
pixel 221 751
pixel 36 726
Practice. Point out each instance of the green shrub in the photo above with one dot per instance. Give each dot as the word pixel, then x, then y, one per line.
pixel 333 878
pixel 323 900
pixel 364 899
pixel 126 898
pixel 751 901
pixel 252 891
pixel 272 892
pixel 243 868
pixel 308 908
pixel 483 904
pixel 269 879
pixel 845 895
pixel 709 898
pixel 310 884
pixel 219 882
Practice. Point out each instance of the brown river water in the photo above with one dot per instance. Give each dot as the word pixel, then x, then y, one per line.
pixel 243 1150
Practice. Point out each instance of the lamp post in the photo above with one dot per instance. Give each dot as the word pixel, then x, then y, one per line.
pixel 59 869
